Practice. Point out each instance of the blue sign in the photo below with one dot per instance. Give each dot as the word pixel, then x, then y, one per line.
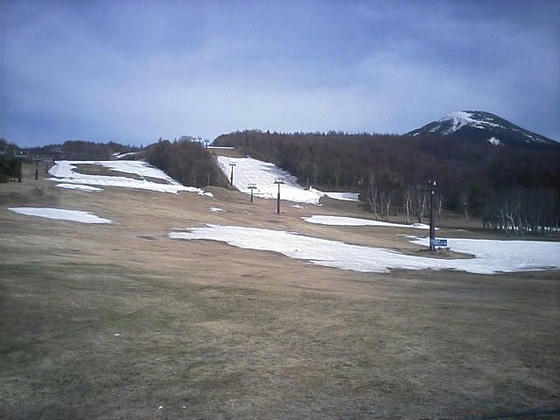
pixel 438 242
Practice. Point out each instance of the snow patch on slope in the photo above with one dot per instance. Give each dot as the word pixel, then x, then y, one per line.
pixel 494 141
pixel 60 214
pixel 354 221
pixel 64 171
pixel 80 187
pixel 263 174
pixel 344 196
pixel 490 256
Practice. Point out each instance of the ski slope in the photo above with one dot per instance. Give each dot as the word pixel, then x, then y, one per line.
pixel 263 174
pixel 491 256
pixel 64 172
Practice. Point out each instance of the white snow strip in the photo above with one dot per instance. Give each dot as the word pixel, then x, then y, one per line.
pixel 263 174
pixel 60 214
pixel 344 196
pixel 491 256
pixel 494 141
pixel 222 147
pixel 122 155
pixel 354 221
pixel 64 171
pixel 78 187
pixel 216 209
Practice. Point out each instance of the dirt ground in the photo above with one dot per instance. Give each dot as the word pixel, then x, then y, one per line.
pixel 119 321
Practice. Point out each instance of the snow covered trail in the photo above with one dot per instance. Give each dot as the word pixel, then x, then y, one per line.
pixel 64 171
pixel 263 174
pixel 60 214
pixel 354 221
pixel 491 257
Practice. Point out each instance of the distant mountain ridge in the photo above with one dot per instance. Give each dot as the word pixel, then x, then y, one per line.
pixel 483 126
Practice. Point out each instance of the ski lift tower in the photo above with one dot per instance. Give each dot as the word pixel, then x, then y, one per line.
pixel 231 177
pixel 252 187
pixel 278 181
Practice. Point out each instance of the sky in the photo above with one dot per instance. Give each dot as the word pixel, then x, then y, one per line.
pixel 135 71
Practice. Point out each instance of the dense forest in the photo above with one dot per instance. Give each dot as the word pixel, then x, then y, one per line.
pixel 185 161
pixel 82 150
pixel 509 188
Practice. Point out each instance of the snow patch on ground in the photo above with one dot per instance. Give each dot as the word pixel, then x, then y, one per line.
pixel 64 171
pixel 221 147
pixel 344 196
pixel 216 209
pixel 263 174
pixel 490 256
pixel 494 141
pixel 78 187
pixel 60 214
pixel 354 221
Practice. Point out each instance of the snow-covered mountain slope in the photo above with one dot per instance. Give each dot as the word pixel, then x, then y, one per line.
pixel 263 174
pixel 482 126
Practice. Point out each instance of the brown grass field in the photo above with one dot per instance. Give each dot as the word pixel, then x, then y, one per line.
pixel 207 330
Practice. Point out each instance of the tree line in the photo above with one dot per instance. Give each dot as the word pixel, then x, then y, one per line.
pixel 186 161
pixel 510 188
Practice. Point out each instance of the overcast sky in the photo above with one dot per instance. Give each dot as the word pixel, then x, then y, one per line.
pixel 134 71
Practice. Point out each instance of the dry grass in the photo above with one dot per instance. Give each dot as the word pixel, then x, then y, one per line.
pixel 226 332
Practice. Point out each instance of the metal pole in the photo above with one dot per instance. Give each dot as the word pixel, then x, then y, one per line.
pixel 231 178
pixel 20 169
pixel 208 180
pixel 278 181
pixel 432 188
pixel 278 201
pixel 251 195
pixel 36 170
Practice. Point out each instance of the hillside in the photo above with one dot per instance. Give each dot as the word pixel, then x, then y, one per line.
pixel 391 173
pixel 484 127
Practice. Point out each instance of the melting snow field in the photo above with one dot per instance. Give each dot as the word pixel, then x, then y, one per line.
pixel 344 196
pixel 490 256
pixel 78 187
pixel 60 214
pixel 263 174
pixel 353 221
pixel 64 171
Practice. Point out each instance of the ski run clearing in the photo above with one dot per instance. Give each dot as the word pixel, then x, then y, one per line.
pixel 491 256
pixel 64 171
pixel 353 221
pixel 60 214
pixel 263 174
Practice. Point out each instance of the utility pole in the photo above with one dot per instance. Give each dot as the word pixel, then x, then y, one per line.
pixel 432 191
pixel 231 178
pixel 36 169
pixel 206 141
pixel 278 181
pixel 251 187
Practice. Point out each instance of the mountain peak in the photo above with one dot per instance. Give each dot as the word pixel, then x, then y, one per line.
pixel 482 126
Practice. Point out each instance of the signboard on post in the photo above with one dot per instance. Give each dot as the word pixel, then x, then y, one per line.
pixel 434 243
